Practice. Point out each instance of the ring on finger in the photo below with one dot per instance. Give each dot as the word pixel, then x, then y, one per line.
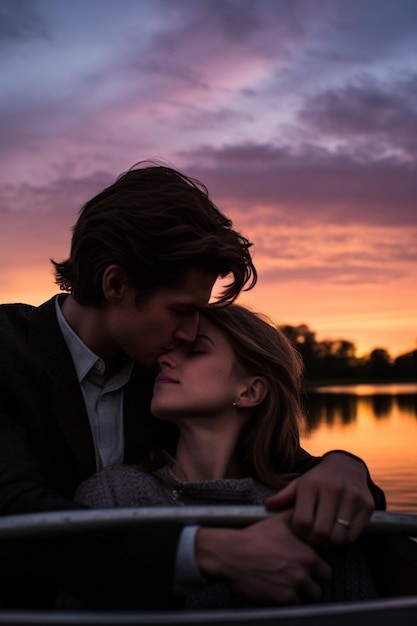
pixel 344 522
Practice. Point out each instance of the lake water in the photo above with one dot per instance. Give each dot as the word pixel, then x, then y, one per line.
pixel 377 423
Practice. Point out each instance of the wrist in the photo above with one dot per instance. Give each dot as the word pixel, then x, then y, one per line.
pixel 352 457
pixel 212 545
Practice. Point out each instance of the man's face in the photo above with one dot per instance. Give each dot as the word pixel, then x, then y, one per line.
pixel 170 315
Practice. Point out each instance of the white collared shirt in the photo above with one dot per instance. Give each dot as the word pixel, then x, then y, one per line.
pixel 103 399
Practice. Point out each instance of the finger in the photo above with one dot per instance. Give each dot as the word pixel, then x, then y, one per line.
pixel 283 498
pixel 356 512
pixel 321 570
pixel 310 591
pixel 342 530
pixel 348 525
pixel 304 513
pixel 360 520
pixel 308 584
pixel 322 527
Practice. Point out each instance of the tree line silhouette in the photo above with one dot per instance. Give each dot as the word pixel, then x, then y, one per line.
pixel 336 360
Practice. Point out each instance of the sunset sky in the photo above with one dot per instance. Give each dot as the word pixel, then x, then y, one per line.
pixel 299 115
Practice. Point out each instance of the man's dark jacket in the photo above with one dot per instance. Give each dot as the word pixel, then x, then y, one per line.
pixel 46 450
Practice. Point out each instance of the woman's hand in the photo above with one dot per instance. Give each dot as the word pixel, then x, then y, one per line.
pixel 330 503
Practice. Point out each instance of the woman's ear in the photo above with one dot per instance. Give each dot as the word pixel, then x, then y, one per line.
pixel 254 393
pixel 114 282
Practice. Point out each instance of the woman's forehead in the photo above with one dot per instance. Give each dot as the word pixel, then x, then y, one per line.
pixel 208 329
pixel 216 335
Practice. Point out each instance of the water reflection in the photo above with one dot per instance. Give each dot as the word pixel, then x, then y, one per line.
pixel 392 389
pixel 344 408
pixel 379 424
pixel 408 403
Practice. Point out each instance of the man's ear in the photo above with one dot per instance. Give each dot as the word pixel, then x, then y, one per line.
pixel 114 282
pixel 254 393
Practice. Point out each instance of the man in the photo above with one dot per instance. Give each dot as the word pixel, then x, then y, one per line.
pixel 75 382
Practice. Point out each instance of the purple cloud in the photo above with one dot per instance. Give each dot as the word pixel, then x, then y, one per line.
pixel 307 184
pixel 373 117
pixel 333 274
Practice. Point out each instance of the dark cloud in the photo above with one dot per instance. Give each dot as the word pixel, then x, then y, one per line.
pixel 378 27
pixel 20 21
pixel 310 184
pixel 340 248
pixel 236 21
pixel 58 201
pixel 333 274
pixel 373 117
pixel 195 118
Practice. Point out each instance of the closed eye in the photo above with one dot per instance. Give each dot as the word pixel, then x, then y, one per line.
pixel 199 346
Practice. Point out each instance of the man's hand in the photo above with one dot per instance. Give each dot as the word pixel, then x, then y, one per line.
pixel 264 562
pixel 330 503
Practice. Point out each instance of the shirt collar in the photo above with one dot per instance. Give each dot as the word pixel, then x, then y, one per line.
pixel 84 359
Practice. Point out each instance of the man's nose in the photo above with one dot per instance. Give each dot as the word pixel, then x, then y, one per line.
pixel 187 331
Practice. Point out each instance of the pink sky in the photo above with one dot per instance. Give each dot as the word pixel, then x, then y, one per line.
pixel 300 117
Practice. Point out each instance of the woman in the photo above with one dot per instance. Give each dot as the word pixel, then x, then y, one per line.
pixel 234 396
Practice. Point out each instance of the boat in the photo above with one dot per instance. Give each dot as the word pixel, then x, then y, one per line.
pixel 392 535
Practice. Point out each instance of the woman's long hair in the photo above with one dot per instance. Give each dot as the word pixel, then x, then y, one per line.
pixel 269 441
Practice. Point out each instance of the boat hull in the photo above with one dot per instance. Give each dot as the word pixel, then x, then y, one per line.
pixel 386 612
pixel 393 555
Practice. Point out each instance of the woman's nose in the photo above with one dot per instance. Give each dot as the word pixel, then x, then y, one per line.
pixel 166 360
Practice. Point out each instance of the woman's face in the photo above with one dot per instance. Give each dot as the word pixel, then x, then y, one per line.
pixel 197 379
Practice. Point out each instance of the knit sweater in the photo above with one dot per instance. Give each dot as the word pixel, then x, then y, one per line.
pixel 126 486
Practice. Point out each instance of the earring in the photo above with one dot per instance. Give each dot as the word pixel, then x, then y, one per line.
pixel 234 403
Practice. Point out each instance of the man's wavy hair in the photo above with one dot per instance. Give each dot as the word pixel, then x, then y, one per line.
pixel 155 223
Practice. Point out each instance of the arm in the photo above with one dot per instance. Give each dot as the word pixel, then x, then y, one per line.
pixel 264 562
pixel 305 461
pixel 338 486
pixel 286 569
